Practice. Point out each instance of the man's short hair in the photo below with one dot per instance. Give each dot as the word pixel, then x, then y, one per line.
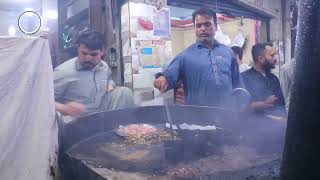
pixel 205 12
pixel 258 49
pixel 238 51
pixel 92 39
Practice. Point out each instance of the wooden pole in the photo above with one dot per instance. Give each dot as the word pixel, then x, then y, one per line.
pixel 95 15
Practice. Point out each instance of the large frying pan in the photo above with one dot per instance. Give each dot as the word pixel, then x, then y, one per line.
pixel 88 126
pixel 82 135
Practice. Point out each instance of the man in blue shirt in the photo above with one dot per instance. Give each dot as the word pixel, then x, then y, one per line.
pixel 208 69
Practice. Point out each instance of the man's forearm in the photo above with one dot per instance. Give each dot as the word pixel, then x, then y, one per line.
pixel 71 108
pixel 260 105
pixel 59 107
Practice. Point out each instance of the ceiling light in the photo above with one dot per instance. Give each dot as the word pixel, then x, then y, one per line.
pixel 12 31
pixel 52 14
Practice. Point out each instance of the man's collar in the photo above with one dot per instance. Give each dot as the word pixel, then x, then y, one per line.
pixel 215 43
pixel 265 74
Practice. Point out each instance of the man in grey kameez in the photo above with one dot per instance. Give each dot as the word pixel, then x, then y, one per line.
pixel 83 85
pixel 286 79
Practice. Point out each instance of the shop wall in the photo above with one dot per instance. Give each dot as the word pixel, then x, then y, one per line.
pixel 11 10
pixel 279 24
pixel 146 47
pixel 189 37
pixel 232 28
pixel 177 40
pixel 181 39
pixel 8 18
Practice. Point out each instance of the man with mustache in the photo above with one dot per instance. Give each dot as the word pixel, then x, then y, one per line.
pixel 263 86
pixel 83 85
pixel 207 69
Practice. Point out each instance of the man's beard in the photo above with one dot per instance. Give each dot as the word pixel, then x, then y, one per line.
pixel 268 67
pixel 87 65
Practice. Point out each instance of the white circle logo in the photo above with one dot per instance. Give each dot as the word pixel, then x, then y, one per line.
pixel 29 22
